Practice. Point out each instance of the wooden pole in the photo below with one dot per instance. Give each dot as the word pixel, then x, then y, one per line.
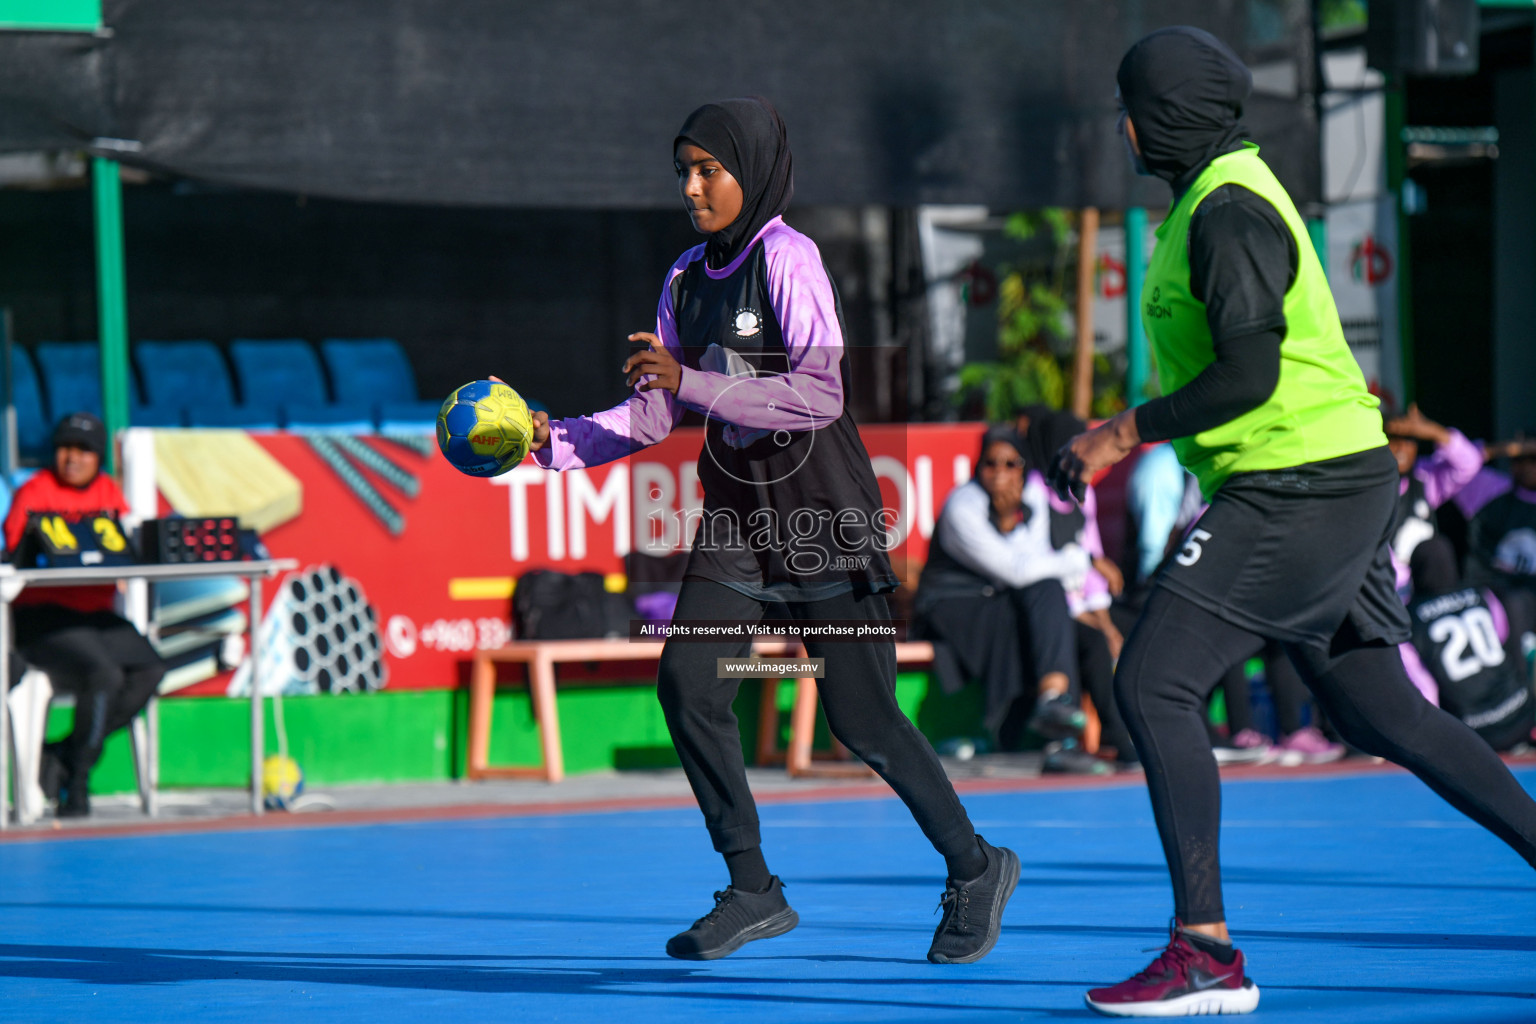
pixel 1082 368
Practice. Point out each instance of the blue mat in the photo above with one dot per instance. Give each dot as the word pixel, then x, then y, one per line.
pixel 1357 898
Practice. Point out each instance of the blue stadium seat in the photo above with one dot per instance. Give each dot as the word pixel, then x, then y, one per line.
pixel 157 416
pixel 33 425
pixel 9 487
pixel 278 371
pixel 334 418
pixel 369 370
pixel 183 373
pixel 408 417
pixel 71 372
pixel 248 416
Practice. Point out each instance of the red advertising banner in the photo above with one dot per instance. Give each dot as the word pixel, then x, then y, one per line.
pixel 409 564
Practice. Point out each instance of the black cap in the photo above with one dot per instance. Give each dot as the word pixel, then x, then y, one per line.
pixel 81 430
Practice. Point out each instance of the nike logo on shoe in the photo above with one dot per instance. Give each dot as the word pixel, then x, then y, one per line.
pixel 1200 981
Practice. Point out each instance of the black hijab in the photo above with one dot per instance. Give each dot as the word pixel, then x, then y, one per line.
pixel 1184 90
pixel 749 139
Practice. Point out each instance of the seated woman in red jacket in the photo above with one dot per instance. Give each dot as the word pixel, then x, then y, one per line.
pixel 73 633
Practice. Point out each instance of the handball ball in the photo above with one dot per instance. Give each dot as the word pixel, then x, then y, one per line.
pixel 484 428
pixel 281 781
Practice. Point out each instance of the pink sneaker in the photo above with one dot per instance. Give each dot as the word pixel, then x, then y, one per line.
pixel 1308 746
pixel 1247 747
pixel 1182 982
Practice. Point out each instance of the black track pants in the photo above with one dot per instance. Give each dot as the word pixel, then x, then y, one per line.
pixel 858 695
pixel 1173 660
pixel 101 659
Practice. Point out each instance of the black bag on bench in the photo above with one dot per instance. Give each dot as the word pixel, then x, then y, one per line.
pixel 549 605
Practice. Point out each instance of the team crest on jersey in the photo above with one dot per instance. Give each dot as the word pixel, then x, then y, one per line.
pixel 747 323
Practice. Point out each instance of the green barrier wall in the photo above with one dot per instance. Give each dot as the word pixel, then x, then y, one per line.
pixel 53 15
pixel 419 736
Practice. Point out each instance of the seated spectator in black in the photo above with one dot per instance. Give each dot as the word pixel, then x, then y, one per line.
pixel 1502 536
pixel 72 633
pixel 991 595
pixel 1467 649
pixel 1097 639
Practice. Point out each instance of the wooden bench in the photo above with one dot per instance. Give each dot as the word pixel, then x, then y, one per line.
pixel 541 656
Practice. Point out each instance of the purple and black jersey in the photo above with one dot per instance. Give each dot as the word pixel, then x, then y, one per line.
pixel 1462 639
pixel 791 507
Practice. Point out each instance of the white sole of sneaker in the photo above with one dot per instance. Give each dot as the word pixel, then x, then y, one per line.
pixel 784 921
pixel 1232 755
pixel 1211 1003
pixel 1004 891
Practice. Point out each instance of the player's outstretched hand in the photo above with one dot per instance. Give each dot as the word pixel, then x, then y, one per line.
pixel 1416 425
pixel 1086 454
pixel 655 362
pixel 1518 447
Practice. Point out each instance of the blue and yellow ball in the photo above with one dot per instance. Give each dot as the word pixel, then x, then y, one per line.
pixel 281 781
pixel 484 428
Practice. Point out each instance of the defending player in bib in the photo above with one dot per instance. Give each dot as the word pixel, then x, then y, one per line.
pixel 1266 406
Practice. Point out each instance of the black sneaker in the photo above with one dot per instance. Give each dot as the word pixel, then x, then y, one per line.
pixel 75 802
pixel 1057 718
pixel 738 918
pixel 1068 759
pixel 973 911
pixel 53 773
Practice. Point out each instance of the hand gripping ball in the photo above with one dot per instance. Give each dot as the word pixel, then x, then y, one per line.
pixel 484 428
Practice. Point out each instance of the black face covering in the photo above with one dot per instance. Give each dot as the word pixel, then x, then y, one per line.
pixel 1184 90
pixel 749 139
pixel 1131 153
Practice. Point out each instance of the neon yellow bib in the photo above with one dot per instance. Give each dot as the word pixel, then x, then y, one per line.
pixel 1321 408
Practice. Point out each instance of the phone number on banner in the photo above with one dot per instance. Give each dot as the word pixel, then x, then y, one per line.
pixel 404 638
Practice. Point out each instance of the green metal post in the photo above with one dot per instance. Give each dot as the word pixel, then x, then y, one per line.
pixel 111 301
pixel 1138 365
pixel 1317 230
pixel 1396 116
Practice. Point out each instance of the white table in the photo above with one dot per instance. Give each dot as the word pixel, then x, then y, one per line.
pixel 13 581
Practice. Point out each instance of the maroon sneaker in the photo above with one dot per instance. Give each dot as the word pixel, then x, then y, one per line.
pixel 1183 982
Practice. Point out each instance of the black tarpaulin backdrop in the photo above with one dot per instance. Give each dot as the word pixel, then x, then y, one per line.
pixel 573 105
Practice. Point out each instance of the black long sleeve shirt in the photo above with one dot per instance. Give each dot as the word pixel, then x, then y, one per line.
pixel 1242 261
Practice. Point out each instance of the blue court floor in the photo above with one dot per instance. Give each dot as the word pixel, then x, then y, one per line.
pixel 1357 898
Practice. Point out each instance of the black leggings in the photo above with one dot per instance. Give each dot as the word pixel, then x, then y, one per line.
pixel 1169 666
pixel 101 659
pixel 858 695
